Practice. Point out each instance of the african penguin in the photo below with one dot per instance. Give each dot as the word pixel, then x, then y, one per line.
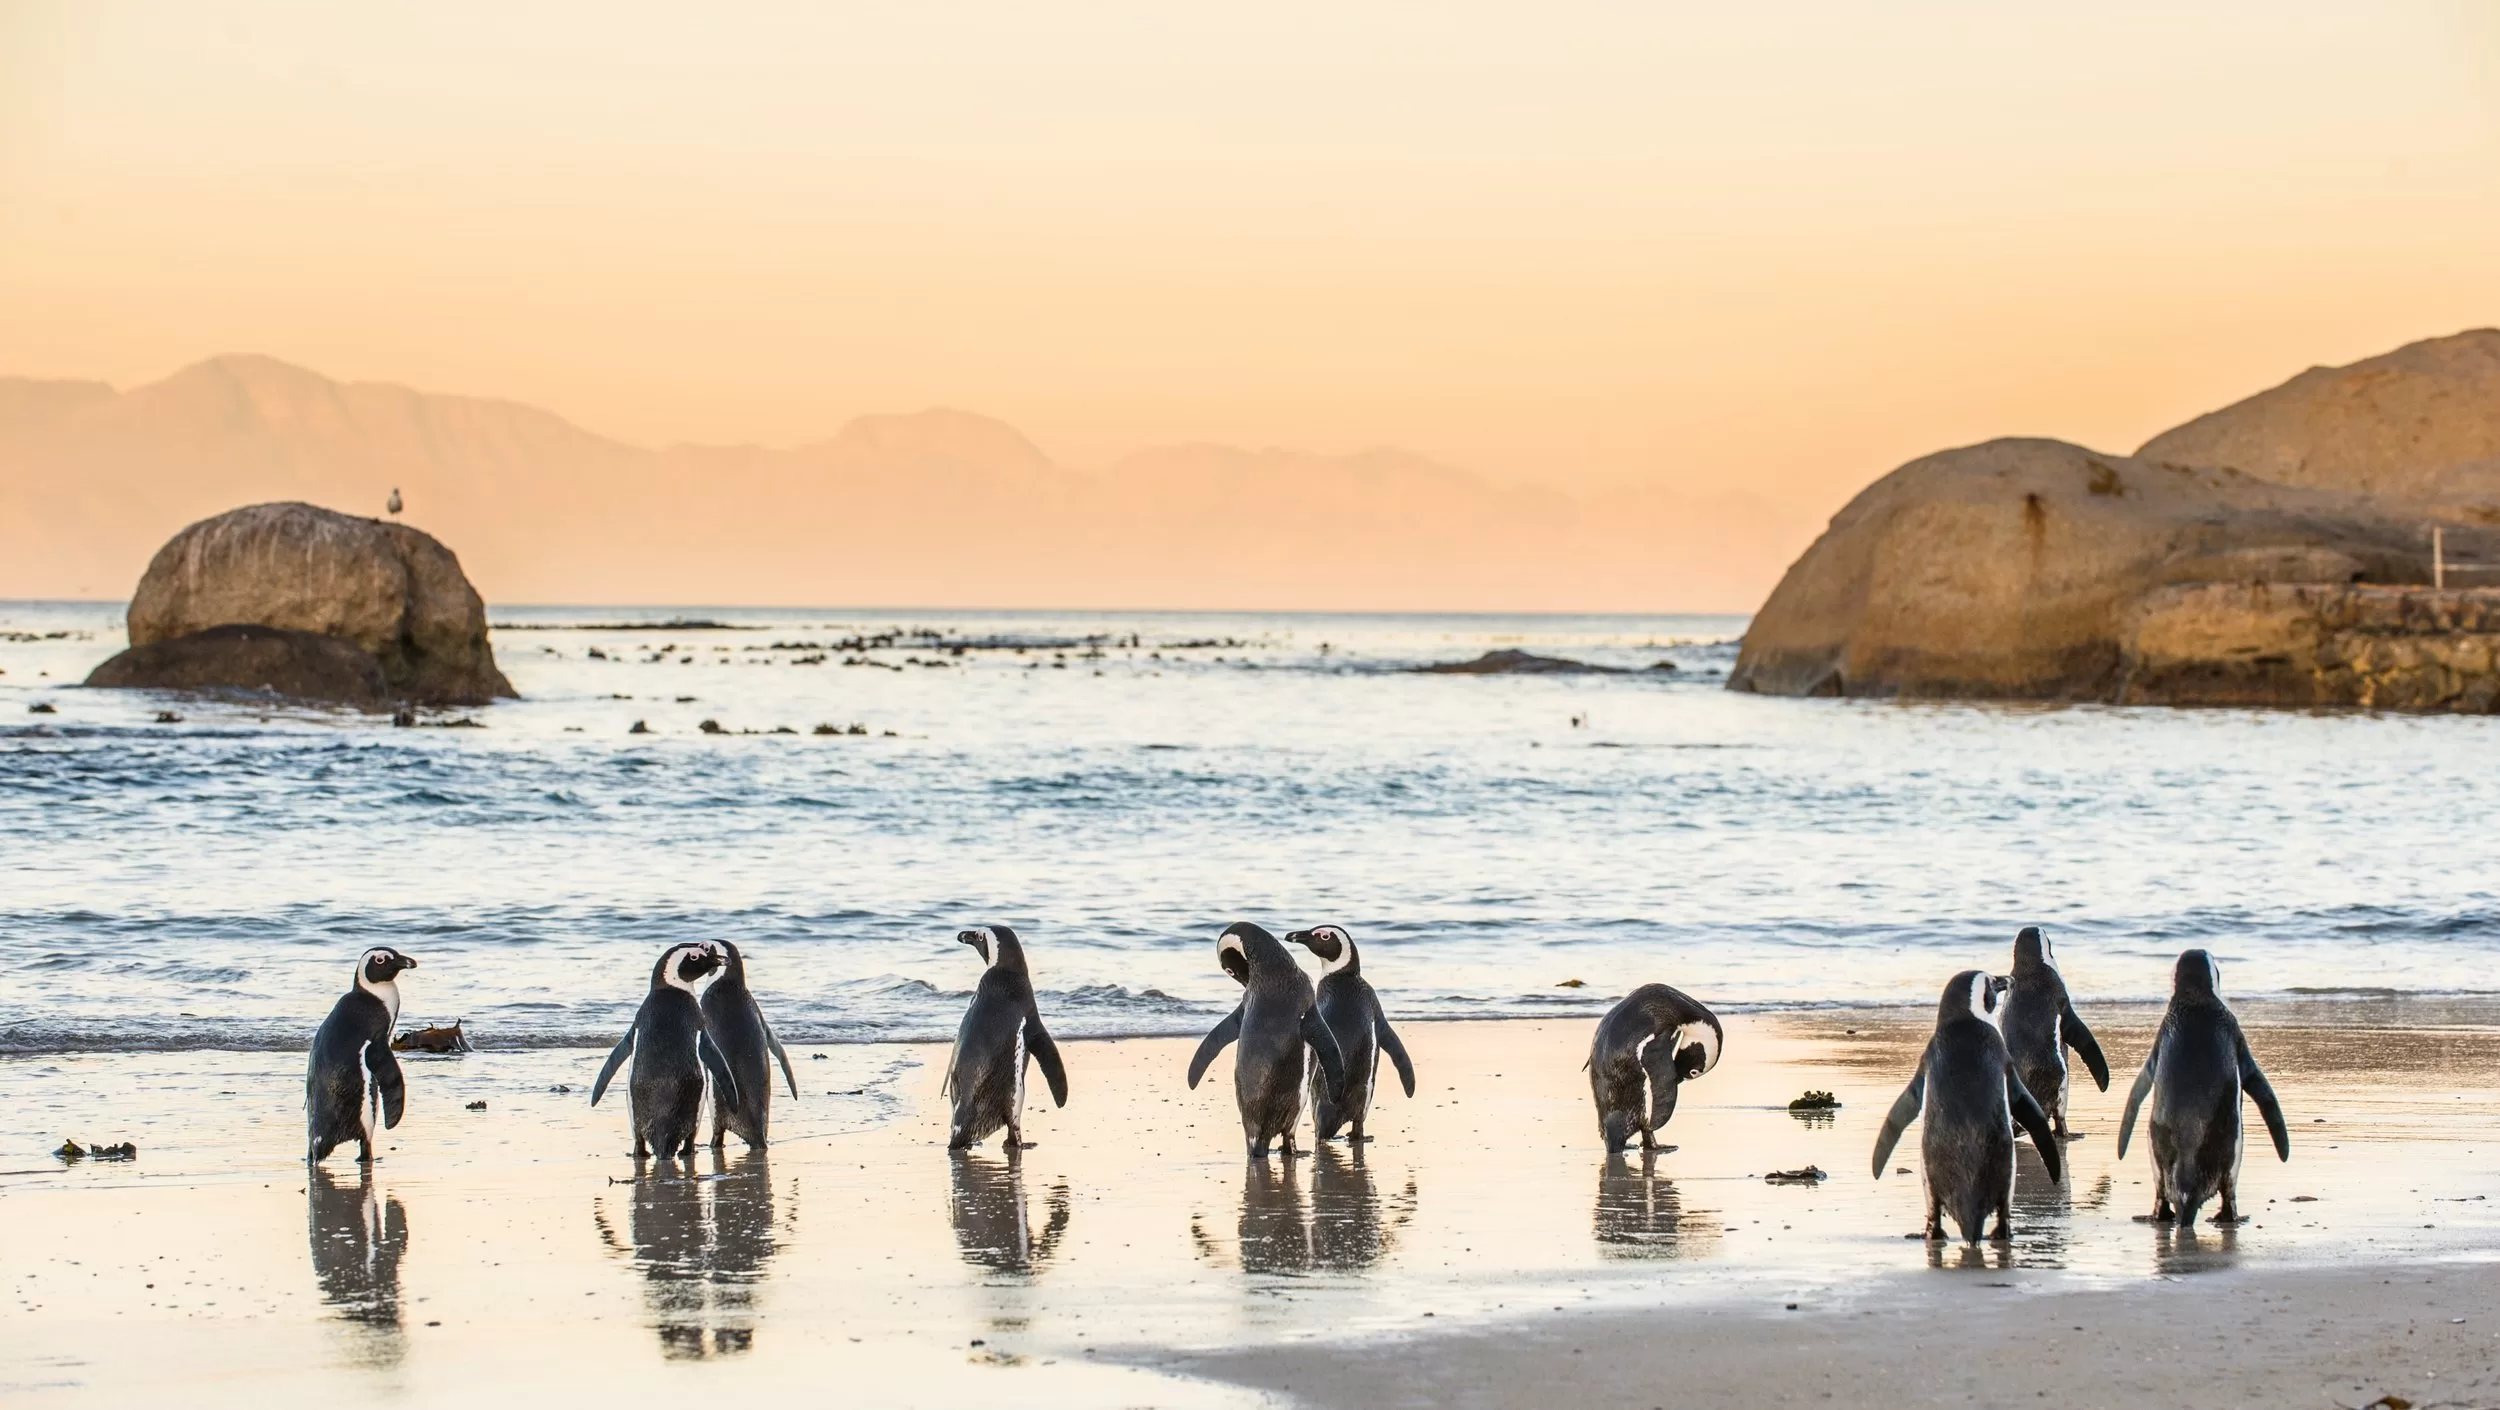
pixel 2198 1069
pixel 1279 1028
pixel 1000 1031
pixel 2039 1023
pixel 1650 1043
pixel 352 1073
pixel 671 1055
pixel 1352 1013
pixel 736 1026
pixel 1970 1098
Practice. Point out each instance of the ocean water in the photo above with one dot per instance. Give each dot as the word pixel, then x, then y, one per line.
pixel 1119 786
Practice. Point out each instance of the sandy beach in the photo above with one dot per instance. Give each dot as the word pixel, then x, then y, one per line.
pixel 1482 1250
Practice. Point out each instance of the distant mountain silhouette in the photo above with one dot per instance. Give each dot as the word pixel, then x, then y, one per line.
pixel 934 508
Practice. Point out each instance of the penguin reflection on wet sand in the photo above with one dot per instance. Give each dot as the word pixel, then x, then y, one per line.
pixel 1647 1046
pixel 2199 1068
pixel 702 1243
pixel 736 1026
pixel 994 1222
pixel 352 1075
pixel 1001 1029
pixel 671 1056
pixel 1352 1013
pixel 1970 1099
pixel 2039 1023
pixel 1640 1214
pixel 1278 1026
pixel 357 1237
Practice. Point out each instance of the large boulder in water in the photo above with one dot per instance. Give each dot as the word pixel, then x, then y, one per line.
pixel 386 589
pixel 297 665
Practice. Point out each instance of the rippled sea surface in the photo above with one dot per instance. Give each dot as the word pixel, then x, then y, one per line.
pixel 1120 786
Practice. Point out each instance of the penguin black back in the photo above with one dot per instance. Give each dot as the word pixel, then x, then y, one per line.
pixel 736 1026
pixel 1354 1018
pixel 2039 1022
pixel 2199 1068
pixel 1001 1030
pixel 1653 1041
pixel 352 1075
pixel 671 1056
pixel 1279 1029
pixel 1970 1098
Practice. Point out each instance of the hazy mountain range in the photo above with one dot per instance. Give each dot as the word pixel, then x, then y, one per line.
pixel 933 508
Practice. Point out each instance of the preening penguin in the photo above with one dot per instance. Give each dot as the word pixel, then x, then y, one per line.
pixel 736 1026
pixel 2199 1067
pixel 1001 1029
pixel 352 1074
pixel 1278 1026
pixel 2040 1024
pixel 1968 1093
pixel 671 1055
pixel 1650 1043
pixel 1352 1013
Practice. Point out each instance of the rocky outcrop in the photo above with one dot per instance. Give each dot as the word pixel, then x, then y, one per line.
pixel 2231 567
pixel 266 660
pixel 1516 663
pixel 386 589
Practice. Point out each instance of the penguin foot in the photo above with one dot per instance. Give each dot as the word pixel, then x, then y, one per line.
pixel 1022 1145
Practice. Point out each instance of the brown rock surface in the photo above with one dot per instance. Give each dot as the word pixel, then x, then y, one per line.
pixel 2276 552
pixel 390 590
pixel 297 665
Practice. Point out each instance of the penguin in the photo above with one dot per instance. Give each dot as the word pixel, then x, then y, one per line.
pixel 1352 1013
pixel 746 1042
pixel 353 1074
pixel 1650 1043
pixel 2039 1023
pixel 1971 1099
pixel 2199 1068
pixel 1279 1028
pixel 1000 1031
pixel 671 1053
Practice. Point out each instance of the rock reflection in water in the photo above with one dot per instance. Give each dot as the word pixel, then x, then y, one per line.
pixel 1351 1229
pixel 357 1236
pixel 702 1243
pixel 993 1221
pixel 1640 1215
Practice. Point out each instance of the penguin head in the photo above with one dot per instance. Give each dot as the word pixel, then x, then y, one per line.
pixel 1974 993
pixel 1334 947
pixel 2197 976
pixel 381 965
pixel 2032 950
pixel 681 965
pixel 997 944
pixel 1243 942
pixel 1696 1047
pixel 726 951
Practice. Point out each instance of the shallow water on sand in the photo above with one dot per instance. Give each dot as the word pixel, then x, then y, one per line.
pixel 515 1247
pixel 1119 786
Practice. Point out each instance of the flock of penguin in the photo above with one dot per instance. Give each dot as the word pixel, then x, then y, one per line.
pixel 1997 1061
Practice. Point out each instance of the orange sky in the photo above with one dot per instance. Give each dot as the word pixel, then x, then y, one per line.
pixel 1644 243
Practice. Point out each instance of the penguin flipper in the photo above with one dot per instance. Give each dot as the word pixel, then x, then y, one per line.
pixel 1905 1109
pixel 2253 1081
pixel 1218 1038
pixel 1324 1043
pixel 2135 1098
pixel 394 1088
pixel 2029 1116
pixel 710 1054
pixel 1388 1040
pixel 1039 1047
pixel 774 1043
pixel 616 1059
pixel 2087 1047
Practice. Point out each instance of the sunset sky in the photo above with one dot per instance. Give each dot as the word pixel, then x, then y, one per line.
pixel 1774 250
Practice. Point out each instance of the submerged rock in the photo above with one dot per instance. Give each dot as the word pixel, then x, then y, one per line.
pixel 388 590
pixel 298 665
pixel 1516 663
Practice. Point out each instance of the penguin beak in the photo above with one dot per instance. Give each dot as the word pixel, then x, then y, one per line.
pixel 407 963
pixel 976 939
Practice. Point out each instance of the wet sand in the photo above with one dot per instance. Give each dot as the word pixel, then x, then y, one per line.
pixel 1135 1258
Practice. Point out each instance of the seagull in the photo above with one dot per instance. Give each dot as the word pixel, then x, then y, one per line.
pixel 393 506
